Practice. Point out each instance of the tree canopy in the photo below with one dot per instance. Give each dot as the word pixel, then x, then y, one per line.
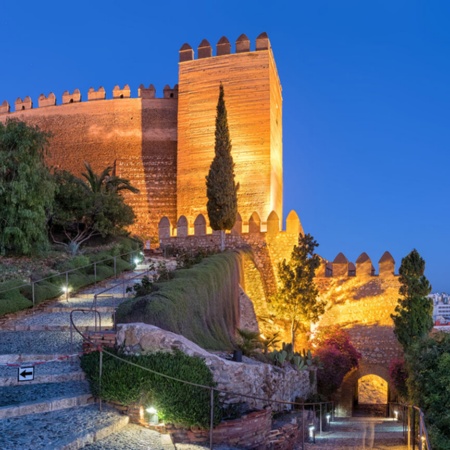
pixel 26 188
pixel 297 300
pixel 413 313
pixel 84 209
pixel 221 188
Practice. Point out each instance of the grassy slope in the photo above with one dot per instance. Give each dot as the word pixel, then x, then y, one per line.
pixel 201 303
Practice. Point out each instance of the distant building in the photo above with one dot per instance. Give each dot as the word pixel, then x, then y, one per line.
pixel 441 310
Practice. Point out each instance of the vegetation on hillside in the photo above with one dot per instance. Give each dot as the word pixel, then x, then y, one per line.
pixel 221 188
pixel 200 303
pixel 89 207
pixel 16 290
pixel 26 189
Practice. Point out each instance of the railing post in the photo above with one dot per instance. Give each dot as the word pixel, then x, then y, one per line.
pixel 303 426
pixel 100 372
pixel 211 424
pixel 95 274
pixel 413 428
pixel 32 293
pixel 115 267
pixel 67 286
pixel 320 418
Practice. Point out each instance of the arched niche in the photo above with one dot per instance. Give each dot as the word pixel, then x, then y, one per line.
pixel 254 224
pixel 164 228
pixel 237 228
pixel 200 225
pixel 182 227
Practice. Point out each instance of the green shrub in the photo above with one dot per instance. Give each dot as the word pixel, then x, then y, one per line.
pixel 200 303
pixel 43 290
pixel 11 298
pixel 176 402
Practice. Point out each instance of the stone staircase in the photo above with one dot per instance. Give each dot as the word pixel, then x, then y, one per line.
pixel 45 401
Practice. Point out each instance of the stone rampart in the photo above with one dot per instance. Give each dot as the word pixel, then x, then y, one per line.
pixel 136 136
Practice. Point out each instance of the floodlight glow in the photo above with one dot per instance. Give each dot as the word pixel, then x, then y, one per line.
pixel 151 410
pixel 136 261
pixel 66 289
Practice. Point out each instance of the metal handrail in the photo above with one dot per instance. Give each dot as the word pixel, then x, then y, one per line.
pixel 72 324
pixel 410 433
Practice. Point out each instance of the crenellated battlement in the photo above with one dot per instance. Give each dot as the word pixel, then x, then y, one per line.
pixel 342 267
pixel 185 234
pixel 253 225
pixel 92 95
pixel 223 47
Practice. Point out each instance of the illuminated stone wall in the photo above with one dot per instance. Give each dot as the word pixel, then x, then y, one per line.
pixel 253 101
pixel 165 146
pixel 137 136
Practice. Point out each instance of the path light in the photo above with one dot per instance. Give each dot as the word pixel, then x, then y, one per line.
pixel 66 289
pixel 396 415
pixel 328 417
pixel 153 416
pixel 136 261
pixel 312 433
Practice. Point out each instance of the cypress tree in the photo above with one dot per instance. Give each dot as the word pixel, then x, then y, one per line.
pixel 221 188
pixel 413 313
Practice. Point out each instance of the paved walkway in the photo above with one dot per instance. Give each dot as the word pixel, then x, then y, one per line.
pixel 360 433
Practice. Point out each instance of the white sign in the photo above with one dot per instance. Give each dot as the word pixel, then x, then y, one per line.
pixel 26 373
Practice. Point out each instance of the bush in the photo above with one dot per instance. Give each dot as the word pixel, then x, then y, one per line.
pixel 428 384
pixel 337 357
pixel 11 298
pixel 176 402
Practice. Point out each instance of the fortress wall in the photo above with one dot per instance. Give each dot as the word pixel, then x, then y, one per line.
pixel 247 85
pixel 135 136
pixel 363 306
pixel 276 139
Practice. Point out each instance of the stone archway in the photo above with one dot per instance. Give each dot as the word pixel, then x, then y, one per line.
pixel 372 396
pixel 368 378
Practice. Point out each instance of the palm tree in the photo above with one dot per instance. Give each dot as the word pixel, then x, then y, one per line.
pixel 105 182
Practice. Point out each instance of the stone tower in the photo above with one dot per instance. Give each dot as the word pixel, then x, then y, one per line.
pixel 254 103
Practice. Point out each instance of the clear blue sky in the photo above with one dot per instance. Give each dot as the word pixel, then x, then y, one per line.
pixel 366 89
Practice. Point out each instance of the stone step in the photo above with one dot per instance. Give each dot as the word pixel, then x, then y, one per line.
pixel 63 429
pixel 38 379
pixel 27 343
pixel 70 307
pixel 12 397
pixel 49 320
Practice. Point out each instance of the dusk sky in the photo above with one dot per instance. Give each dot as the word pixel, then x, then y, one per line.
pixel 366 99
